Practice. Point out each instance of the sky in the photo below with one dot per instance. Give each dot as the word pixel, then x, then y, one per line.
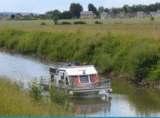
pixel 42 6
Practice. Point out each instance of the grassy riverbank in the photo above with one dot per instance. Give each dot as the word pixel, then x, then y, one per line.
pixel 131 49
pixel 17 103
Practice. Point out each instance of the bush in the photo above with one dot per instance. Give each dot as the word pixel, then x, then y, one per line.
pixel 55 19
pixel 43 23
pixel 118 22
pixel 65 23
pixel 79 22
pixel 35 90
pixel 152 18
pixel 58 96
pixel 97 22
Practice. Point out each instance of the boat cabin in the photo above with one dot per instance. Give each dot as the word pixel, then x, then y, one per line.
pixel 77 76
pixel 79 80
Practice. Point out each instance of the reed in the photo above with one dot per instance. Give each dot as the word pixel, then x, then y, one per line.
pixel 17 103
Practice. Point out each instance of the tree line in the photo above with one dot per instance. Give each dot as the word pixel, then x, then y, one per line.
pixel 76 8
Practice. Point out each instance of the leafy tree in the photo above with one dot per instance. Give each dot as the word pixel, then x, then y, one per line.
pixel 101 9
pixel 76 9
pixel 66 15
pixel 56 13
pixel 52 14
pixel 91 7
pixel 133 8
pixel 42 16
pixel 115 10
pixel 55 19
pixel 126 8
pixel 106 10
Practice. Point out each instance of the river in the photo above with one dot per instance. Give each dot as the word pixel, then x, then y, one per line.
pixel 24 68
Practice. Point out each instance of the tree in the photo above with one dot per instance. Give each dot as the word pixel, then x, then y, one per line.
pixel 56 13
pixel 52 14
pixel 115 10
pixel 101 9
pixel 42 16
pixel 106 10
pixel 91 7
pixel 66 15
pixel 76 9
pixel 55 19
pixel 126 8
pixel 133 8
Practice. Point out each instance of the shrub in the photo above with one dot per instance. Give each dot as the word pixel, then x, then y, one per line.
pixel 65 23
pixel 43 23
pixel 118 22
pixel 79 22
pixel 35 90
pixel 97 22
pixel 58 96
pixel 152 18
pixel 55 19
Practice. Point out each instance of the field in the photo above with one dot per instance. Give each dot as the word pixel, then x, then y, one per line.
pixel 136 26
pixel 128 46
pixel 88 21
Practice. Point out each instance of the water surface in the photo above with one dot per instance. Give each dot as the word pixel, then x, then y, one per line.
pixel 137 103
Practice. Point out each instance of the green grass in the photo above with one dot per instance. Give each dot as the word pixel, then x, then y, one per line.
pixel 88 21
pixel 125 45
pixel 136 55
pixel 17 103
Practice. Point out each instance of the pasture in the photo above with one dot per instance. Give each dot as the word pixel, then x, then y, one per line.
pixel 138 26
pixel 88 21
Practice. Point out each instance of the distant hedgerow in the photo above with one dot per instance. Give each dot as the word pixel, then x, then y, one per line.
pixel 65 23
pixel 43 23
pixel 79 22
pixel 97 22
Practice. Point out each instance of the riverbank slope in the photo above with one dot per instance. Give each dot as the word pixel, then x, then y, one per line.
pixel 129 54
pixel 17 103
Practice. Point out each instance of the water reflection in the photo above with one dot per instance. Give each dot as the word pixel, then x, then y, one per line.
pixel 146 102
pixel 89 107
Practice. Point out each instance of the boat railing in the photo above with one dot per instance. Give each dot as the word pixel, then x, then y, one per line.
pixel 100 84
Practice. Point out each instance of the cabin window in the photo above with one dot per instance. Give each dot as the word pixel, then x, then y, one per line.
pixel 66 80
pixel 62 77
pixel 84 79
pixel 91 77
pixel 52 78
pixel 71 79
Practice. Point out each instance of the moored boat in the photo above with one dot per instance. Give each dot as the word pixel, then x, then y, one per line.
pixel 80 81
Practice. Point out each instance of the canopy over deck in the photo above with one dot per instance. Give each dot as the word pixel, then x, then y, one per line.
pixel 79 70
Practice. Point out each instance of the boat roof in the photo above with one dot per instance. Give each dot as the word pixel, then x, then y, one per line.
pixel 79 70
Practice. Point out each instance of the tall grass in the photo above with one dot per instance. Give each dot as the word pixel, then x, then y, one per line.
pixel 137 55
pixel 58 96
pixel 17 103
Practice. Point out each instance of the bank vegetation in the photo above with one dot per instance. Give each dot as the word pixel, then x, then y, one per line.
pixel 16 102
pixel 131 54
